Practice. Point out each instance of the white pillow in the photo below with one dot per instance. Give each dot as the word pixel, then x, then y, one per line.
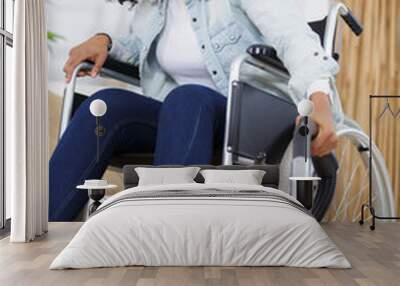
pixel 247 177
pixel 165 176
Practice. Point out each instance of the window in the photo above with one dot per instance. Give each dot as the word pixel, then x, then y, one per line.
pixel 6 43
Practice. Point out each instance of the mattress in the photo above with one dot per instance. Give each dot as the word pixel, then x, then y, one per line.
pixel 201 225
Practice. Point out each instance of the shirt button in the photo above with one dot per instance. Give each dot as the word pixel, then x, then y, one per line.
pixel 203 47
pixel 214 72
pixel 326 58
pixel 194 19
pixel 316 54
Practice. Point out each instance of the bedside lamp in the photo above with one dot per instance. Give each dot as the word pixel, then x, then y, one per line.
pixel 98 108
pixel 97 188
pixel 304 184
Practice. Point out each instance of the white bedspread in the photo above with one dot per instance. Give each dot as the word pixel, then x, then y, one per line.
pixel 200 231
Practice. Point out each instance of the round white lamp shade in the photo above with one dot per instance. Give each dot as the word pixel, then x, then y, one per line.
pixel 305 107
pixel 98 108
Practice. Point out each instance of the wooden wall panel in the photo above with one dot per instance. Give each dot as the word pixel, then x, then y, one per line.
pixel 370 65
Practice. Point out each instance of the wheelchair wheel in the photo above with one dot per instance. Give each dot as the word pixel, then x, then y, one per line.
pixel 324 190
pixel 325 168
pixel 353 180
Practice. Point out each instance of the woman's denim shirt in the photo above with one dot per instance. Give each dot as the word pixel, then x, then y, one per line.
pixel 225 29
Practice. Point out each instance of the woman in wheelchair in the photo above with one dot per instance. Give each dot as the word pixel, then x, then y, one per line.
pixel 184 49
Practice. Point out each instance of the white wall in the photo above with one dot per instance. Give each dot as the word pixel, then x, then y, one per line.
pixel 77 20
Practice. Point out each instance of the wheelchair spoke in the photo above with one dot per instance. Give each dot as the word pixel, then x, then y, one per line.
pixel 352 184
pixel 344 152
pixel 347 189
pixel 349 205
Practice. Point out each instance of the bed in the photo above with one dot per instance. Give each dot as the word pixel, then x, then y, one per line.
pixel 198 224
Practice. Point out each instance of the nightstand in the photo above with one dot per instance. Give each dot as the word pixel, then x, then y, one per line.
pixel 96 190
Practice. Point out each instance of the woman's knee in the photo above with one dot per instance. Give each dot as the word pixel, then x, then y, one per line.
pixel 108 95
pixel 192 97
pixel 104 95
pixel 83 121
pixel 120 104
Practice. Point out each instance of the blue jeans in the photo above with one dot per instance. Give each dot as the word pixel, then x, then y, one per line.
pixel 185 129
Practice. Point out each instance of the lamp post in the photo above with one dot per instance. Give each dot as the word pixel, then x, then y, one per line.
pixel 304 184
pixel 97 188
pixel 98 108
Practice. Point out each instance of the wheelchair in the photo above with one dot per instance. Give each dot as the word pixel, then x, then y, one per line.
pixel 255 133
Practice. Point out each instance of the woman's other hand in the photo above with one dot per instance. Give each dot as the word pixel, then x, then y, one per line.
pixel 95 49
pixel 326 140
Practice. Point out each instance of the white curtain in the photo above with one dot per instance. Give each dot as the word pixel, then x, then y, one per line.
pixel 26 124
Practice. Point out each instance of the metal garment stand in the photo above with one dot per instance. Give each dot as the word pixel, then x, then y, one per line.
pixel 370 205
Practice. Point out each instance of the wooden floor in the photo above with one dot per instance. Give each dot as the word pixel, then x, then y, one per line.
pixel 375 257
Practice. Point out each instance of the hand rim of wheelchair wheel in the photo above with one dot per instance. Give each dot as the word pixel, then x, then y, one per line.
pixel 353 178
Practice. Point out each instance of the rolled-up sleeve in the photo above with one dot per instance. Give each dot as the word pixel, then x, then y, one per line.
pixel 284 26
pixel 126 49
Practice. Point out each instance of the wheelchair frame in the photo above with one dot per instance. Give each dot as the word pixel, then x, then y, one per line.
pixel 381 179
pixel 272 65
pixel 269 63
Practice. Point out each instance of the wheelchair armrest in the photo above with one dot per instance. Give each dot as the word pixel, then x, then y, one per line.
pixel 118 70
pixel 267 55
pixel 122 67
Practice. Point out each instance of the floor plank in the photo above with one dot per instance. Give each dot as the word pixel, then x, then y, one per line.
pixel 375 257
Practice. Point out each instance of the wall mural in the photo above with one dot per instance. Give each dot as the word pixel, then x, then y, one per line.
pixel 369 65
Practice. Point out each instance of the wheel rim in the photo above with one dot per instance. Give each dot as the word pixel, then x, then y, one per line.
pixel 353 180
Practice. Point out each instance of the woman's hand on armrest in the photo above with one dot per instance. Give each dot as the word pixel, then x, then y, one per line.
pixel 95 49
